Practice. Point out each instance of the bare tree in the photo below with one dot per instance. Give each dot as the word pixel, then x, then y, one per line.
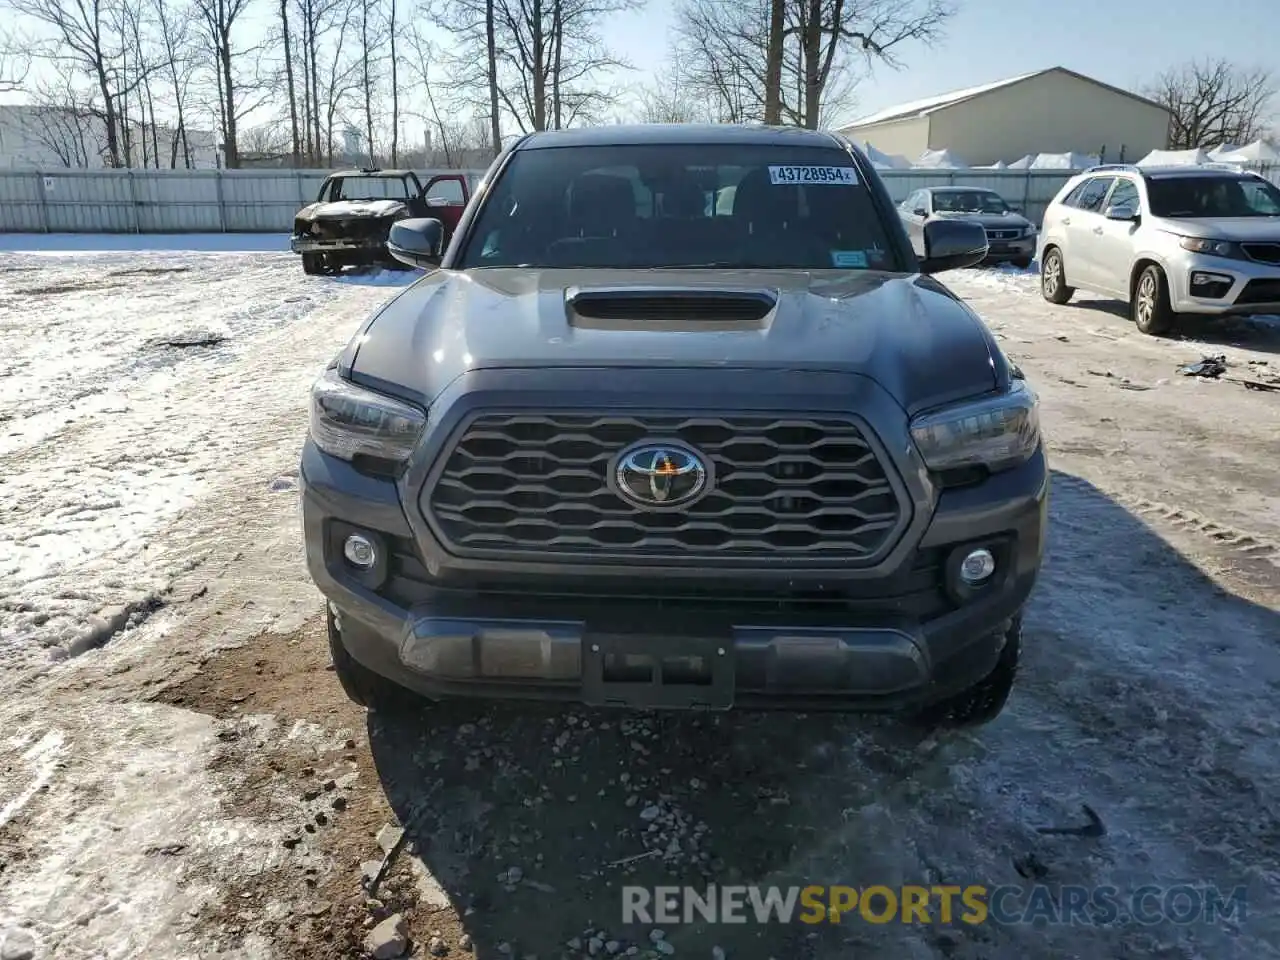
pixel 265 142
pixel 341 81
pixel 775 40
pixel 81 37
pixel 671 99
pixel 473 64
pixel 552 54
pixel 395 84
pixel 63 122
pixel 733 46
pixel 173 27
pixel 370 43
pixel 219 19
pixel 286 39
pixel 1213 102
pixel 328 62
pixel 15 63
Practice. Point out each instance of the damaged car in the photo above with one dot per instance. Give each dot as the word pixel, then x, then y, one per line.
pixel 350 221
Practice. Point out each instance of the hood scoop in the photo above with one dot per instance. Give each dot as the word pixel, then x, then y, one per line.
pixel 647 308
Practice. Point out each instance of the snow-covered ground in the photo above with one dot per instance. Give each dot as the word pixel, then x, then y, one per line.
pixel 152 399
pixel 128 386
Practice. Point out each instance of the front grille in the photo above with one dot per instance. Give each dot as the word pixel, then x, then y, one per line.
pixel 784 487
pixel 1260 291
pixel 354 229
pixel 1262 252
pixel 917 591
pixel 1003 234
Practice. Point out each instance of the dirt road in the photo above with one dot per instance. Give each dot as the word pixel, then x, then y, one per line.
pixel 187 781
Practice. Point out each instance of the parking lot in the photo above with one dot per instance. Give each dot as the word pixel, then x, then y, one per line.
pixel 184 778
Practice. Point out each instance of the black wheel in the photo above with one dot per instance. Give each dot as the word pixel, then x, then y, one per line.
pixel 312 264
pixel 1021 262
pixel 362 686
pixel 1053 279
pixel 1149 306
pixel 984 701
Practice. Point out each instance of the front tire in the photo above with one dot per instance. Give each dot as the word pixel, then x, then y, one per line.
pixel 362 686
pixel 312 264
pixel 1053 278
pixel 984 701
pixel 1149 306
pixel 1022 263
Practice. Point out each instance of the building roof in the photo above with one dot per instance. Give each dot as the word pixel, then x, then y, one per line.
pixel 690 133
pixel 922 108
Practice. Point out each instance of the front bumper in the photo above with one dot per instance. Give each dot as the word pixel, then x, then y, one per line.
pixel 1245 286
pixel 1002 251
pixel 444 630
pixel 320 245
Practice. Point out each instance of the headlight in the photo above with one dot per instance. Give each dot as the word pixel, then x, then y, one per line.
pixel 996 432
pixel 1216 248
pixel 348 421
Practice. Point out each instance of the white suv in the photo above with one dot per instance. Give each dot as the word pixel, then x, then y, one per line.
pixel 1166 240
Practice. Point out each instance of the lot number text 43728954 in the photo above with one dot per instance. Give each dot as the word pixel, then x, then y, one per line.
pixel 791 174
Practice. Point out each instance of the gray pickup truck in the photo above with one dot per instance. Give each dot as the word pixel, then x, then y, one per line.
pixel 678 419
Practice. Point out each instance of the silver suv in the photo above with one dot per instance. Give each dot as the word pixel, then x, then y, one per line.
pixel 1166 240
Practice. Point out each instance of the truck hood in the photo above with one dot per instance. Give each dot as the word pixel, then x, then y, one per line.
pixel 1246 229
pixel 349 209
pixel 907 332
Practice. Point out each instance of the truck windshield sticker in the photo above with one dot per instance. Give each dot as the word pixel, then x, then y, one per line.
pixel 834 176
pixel 851 259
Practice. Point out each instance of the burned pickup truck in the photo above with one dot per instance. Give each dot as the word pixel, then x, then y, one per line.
pixel 353 213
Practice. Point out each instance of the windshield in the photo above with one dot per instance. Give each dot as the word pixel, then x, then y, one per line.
pixel 370 188
pixel 647 206
pixel 1225 196
pixel 968 201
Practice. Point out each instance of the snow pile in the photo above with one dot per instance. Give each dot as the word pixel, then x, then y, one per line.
pixel 1174 158
pixel 1064 161
pixel 885 161
pixel 940 160
pixel 1258 152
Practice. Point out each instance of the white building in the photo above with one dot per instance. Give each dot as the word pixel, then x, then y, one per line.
pixel 1050 111
pixel 35 137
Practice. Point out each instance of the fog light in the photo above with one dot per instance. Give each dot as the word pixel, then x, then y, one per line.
pixel 1213 286
pixel 360 553
pixel 977 567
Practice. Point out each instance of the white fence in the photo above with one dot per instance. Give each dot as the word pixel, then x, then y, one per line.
pixel 264 201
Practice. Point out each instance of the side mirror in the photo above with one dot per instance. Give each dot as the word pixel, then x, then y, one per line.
pixel 920 212
pixel 1122 212
pixel 953 245
pixel 1015 208
pixel 417 242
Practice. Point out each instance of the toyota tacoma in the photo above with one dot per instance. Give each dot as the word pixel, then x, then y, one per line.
pixel 678 419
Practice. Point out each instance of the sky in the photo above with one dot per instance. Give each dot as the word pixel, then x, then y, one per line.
pixel 1126 43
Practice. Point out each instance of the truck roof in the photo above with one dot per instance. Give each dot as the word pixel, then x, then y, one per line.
pixel 370 173
pixel 677 133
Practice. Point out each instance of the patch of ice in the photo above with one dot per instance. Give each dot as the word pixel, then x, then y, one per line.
pixel 101 886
